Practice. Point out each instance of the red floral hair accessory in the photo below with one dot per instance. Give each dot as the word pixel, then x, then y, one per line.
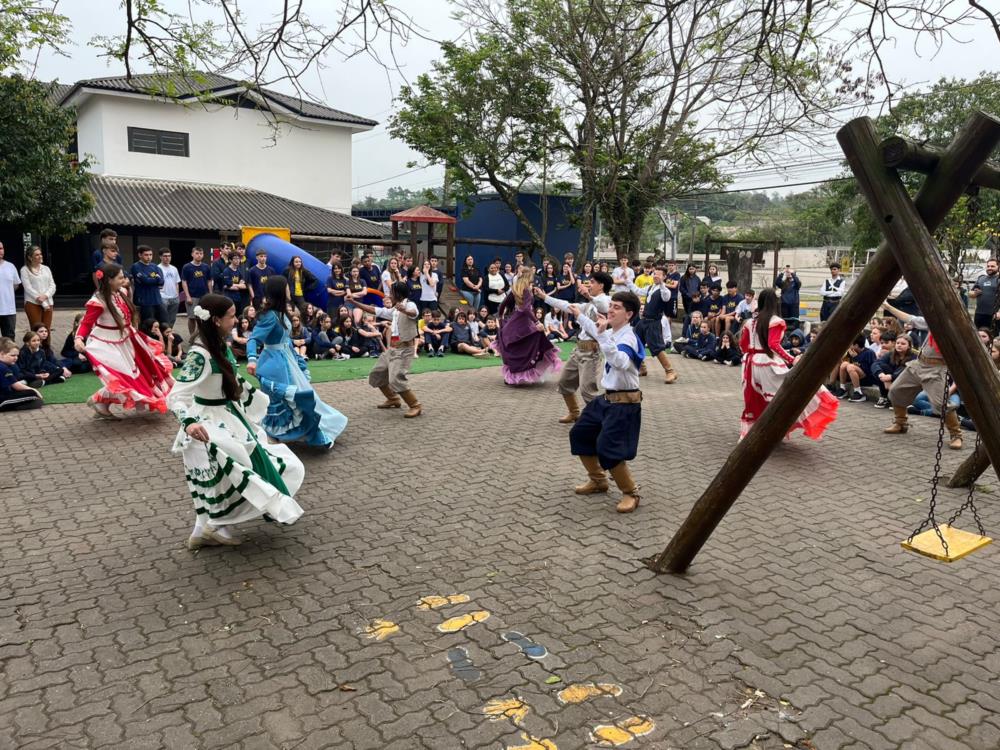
pixel 99 274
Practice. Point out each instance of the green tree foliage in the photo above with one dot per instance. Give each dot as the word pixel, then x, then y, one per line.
pixel 43 187
pixel 27 26
pixel 487 116
pixel 932 117
pixel 401 197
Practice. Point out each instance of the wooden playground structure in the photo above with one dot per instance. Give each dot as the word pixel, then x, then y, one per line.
pixel 908 249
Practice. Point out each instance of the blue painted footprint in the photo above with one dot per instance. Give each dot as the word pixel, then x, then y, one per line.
pixel 462 665
pixel 528 647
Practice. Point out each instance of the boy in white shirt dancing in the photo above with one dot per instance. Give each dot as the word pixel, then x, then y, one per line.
pixel 607 433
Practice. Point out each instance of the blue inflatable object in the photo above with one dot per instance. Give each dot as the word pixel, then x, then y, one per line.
pixel 280 254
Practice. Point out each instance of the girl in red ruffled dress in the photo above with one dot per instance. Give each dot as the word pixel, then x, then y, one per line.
pixel 133 368
pixel 765 366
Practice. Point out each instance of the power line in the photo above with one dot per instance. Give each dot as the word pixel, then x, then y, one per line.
pixel 764 188
pixel 392 177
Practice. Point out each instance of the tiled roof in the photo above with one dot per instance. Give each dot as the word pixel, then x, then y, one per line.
pixel 208 83
pixel 167 204
pixel 423 213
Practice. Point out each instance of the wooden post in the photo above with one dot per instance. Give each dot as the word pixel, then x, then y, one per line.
pixel 450 250
pixel 413 240
pixel 395 230
pixel 916 253
pixel 971 146
pixel 906 155
pixel 971 469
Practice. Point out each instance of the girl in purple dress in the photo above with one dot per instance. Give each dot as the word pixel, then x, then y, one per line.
pixel 522 344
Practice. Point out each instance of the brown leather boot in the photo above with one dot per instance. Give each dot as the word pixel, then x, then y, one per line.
pixel 392 401
pixel 574 409
pixel 899 424
pixel 598 480
pixel 954 426
pixel 411 400
pixel 628 487
pixel 669 374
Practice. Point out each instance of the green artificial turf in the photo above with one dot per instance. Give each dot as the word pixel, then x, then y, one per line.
pixel 79 388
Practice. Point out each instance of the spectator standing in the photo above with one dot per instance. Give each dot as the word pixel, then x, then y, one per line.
pixel 496 287
pixel 170 293
pixel 39 289
pixel 234 283
pixel 258 275
pixel 10 280
pixel 370 274
pixel 623 276
pixel 832 291
pixel 788 284
pixel 301 282
pixel 107 251
pixel 472 283
pixel 147 282
pixel 196 282
pixel 712 278
pixel 689 287
pixel 984 291
pixel 219 265
pixel 428 288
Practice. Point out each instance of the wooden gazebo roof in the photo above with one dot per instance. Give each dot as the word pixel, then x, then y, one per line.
pixel 424 214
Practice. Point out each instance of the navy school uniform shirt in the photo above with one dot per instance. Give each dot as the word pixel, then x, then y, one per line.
pixel 706 344
pixel 713 306
pixel 231 276
pixel 257 277
pixel 196 275
pixel 32 364
pixel 9 374
pixel 730 303
pixel 146 280
pixel 864 359
pixel 548 284
pixel 413 285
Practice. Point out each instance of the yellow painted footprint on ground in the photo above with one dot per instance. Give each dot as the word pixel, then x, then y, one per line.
pixel 533 743
pixel 622 732
pixel 455 624
pixel 514 709
pixel 379 630
pixel 435 602
pixel 587 690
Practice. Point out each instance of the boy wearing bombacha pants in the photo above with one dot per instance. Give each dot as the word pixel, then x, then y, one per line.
pixel 606 435
pixel 583 366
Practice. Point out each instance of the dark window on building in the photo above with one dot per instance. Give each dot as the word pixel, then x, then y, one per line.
pixel 164 142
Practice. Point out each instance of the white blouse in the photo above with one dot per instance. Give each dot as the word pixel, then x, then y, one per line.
pixel 38 283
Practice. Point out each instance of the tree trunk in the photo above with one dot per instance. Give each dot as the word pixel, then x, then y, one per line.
pixel 739 262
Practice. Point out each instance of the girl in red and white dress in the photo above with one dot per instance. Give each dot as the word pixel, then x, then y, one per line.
pixel 133 368
pixel 765 366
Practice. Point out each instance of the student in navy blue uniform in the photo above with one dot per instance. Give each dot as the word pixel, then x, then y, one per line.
pixel 414 287
pixel 796 343
pixel 234 283
pixel 890 366
pixel 258 275
pixel 354 286
pixel 196 281
pixel 53 362
pixel 437 334
pixel 689 286
pixel 857 370
pixel 705 348
pixel 147 280
pixel 32 363
pixel 370 274
pixel 219 265
pixel 672 278
pixel 712 307
pixel 788 284
pixel 336 289
pixel 74 361
pixel 606 436
pixel 15 393
pixel 728 318
pixel 728 351
pixel 548 282
pixel 692 324
pixel 108 250
pixel 693 343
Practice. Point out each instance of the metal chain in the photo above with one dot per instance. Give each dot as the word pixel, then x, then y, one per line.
pixel 936 476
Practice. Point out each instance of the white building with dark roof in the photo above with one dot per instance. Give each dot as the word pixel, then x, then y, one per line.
pixel 185 162
pixel 216 130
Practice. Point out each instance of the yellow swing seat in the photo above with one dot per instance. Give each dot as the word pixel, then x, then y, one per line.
pixel 960 543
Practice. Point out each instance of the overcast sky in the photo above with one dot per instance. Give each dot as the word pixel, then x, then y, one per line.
pixel 362 87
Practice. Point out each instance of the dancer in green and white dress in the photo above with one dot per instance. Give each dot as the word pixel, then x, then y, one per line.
pixel 233 473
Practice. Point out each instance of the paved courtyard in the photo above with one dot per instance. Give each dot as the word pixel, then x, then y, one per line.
pixel 802 624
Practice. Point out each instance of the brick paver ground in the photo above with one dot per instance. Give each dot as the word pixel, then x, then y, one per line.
pixel 802 624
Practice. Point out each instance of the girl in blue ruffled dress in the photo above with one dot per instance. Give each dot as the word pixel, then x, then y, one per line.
pixel 296 413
